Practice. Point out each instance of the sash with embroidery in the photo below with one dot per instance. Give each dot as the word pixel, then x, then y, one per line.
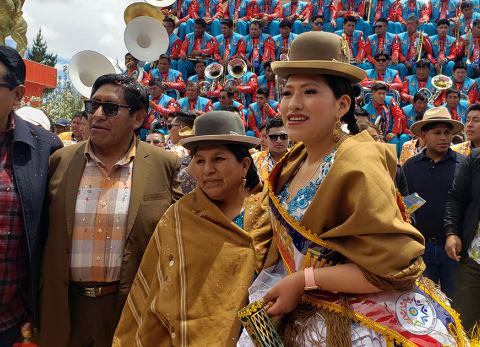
pixel 419 317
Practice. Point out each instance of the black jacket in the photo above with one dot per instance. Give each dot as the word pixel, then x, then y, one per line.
pixel 31 149
pixel 463 204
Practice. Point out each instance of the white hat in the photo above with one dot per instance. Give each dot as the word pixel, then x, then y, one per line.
pixel 34 116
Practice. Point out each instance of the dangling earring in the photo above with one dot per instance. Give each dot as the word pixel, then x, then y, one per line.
pixel 244 182
pixel 337 131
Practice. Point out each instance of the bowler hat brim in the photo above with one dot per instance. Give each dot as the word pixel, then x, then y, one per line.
pixel 209 140
pixel 285 69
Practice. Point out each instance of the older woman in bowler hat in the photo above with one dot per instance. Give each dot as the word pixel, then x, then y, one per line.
pixel 206 249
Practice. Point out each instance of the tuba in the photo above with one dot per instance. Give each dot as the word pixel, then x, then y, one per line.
pixel 237 68
pixel 440 83
pixel 85 67
pixel 140 9
pixel 146 38
pixel 213 71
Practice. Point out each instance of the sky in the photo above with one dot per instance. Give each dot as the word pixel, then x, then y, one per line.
pixel 70 26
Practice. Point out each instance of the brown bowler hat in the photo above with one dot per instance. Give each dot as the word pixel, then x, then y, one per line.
pixel 217 128
pixel 319 53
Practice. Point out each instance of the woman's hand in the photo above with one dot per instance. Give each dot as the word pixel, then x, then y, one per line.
pixel 286 294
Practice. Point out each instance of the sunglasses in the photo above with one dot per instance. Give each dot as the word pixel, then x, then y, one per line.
pixel 318 23
pixel 109 108
pixel 379 26
pixel 6 85
pixel 381 60
pixel 274 137
pixel 156 142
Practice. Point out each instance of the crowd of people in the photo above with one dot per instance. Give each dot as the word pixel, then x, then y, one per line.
pixel 247 166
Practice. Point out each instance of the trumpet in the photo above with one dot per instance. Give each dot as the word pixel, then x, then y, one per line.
pixel 419 47
pixel 468 39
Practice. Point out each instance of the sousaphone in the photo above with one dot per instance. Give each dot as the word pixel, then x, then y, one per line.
pixel 146 38
pixel 85 67
pixel 139 9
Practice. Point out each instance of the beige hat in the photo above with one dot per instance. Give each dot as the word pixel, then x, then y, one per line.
pixel 217 128
pixel 435 115
pixel 319 52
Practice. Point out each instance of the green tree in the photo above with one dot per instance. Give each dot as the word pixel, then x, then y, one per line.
pixel 38 52
pixel 63 101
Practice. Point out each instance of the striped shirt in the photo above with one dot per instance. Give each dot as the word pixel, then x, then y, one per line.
pixel 101 219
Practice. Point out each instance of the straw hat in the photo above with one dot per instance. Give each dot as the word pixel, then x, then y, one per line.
pixel 217 128
pixel 319 53
pixel 435 115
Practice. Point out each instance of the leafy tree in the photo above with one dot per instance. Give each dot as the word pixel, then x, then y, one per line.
pixel 38 52
pixel 63 101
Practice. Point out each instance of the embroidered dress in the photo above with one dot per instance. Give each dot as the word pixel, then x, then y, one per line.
pixel 326 224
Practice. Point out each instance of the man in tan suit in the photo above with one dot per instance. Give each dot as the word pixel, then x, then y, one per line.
pixel 106 196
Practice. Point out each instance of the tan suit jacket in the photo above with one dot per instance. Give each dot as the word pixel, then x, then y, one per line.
pixel 154 188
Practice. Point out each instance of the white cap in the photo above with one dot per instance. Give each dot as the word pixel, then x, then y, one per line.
pixel 34 116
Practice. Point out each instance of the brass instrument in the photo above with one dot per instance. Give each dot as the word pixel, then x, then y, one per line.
pixel 440 83
pixel 237 68
pixel 140 9
pixel 214 72
pixel 419 47
pixel 204 87
pixel 468 38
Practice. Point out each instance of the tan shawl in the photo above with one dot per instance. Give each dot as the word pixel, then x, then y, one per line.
pixel 195 275
pixel 355 211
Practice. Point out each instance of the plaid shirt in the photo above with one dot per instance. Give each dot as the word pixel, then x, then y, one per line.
pixel 101 219
pixel 13 247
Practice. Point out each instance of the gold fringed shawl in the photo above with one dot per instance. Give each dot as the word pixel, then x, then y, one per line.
pixel 354 212
pixel 195 275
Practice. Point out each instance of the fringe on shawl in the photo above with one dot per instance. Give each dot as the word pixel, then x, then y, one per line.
pixel 300 328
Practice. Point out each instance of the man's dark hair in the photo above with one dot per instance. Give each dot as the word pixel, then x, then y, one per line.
pixel 204 62
pixel 201 22
pixel 430 126
pixel 229 91
pixel 274 122
pixel 420 96
pixel 131 55
pixel 136 95
pixel 423 63
pixel 184 118
pixel 412 17
pixel 452 91
pixel 230 108
pixel 165 56
pixel 466 4
pixel 318 16
pixel 459 65
pixel 473 107
pixel 379 86
pixel 267 64
pixel 382 20
pixel 443 21
pixel 155 82
pixel 227 22
pixel 382 53
pixel 350 19
pixel 262 91
pixel 193 83
pixel 258 23
pixel 285 23
pixel 78 114
pixel 16 70
pixel 168 19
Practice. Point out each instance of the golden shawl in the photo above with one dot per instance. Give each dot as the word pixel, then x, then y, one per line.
pixel 355 213
pixel 195 275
